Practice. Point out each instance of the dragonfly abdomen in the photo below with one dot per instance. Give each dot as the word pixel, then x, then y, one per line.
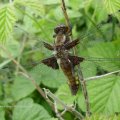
pixel 68 70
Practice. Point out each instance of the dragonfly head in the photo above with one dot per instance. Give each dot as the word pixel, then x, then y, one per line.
pixel 61 34
pixel 63 29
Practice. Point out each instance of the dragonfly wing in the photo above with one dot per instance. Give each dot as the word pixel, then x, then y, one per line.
pixel 48 46
pixel 72 44
pixel 51 62
pixel 75 60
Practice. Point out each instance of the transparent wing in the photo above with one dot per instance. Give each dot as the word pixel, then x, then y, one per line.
pixel 99 46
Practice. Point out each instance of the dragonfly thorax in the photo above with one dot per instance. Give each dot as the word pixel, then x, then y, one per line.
pixel 60 52
pixel 60 39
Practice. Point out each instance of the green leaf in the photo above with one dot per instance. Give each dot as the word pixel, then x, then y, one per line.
pixel 32 4
pixel 77 4
pixel 4 63
pixel 54 119
pixel 64 94
pixel 112 5
pixel 102 117
pixel 23 86
pixel 28 110
pixel 41 74
pixel 50 2
pixel 13 47
pixel 103 95
pixel 7 20
pixel 106 50
pixel 81 102
pixel 71 13
pixel 2 114
pixel 88 69
pixel 50 77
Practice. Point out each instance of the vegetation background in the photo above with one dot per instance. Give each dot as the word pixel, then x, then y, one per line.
pixel 24 24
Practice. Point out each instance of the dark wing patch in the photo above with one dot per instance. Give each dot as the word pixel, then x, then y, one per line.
pixel 51 62
pixel 75 60
pixel 72 44
pixel 48 46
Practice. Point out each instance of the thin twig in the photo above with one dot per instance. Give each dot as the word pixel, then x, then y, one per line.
pixel 66 107
pixel 80 75
pixel 101 76
pixel 65 14
pixel 84 90
pixel 57 112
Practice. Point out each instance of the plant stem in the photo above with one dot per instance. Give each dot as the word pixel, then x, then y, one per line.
pixel 84 90
pixel 65 13
pixel 68 108
pixel 80 75
pixel 101 76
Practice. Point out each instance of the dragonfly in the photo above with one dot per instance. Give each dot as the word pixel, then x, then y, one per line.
pixel 66 61
pixel 97 53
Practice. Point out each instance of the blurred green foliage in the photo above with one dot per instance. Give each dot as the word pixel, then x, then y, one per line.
pixel 24 24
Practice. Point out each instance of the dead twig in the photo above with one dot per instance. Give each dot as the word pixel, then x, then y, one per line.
pixel 65 14
pixel 100 76
pixel 66 107
pixel 57 112
pixel 84 90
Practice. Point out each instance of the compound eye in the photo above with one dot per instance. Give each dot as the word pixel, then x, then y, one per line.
pixel 64 29
pixel 56 30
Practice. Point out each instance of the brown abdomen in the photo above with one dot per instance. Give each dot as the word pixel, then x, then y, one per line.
pixel 67 68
